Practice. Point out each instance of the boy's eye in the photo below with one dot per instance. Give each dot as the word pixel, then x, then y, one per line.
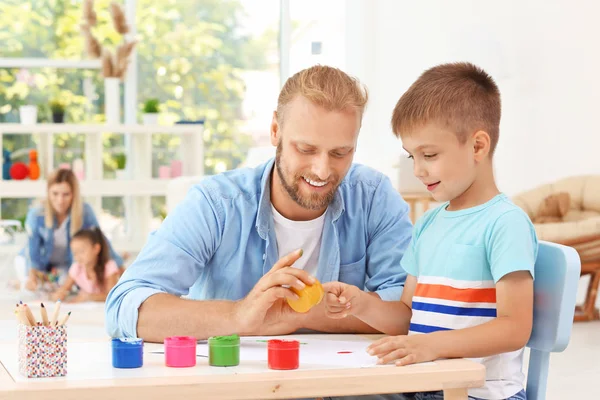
pixel 429 155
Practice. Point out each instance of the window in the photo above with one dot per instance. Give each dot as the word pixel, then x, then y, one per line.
pixel 216 61
pixel 318 33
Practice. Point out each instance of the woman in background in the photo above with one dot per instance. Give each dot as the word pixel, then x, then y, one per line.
pixel 50 228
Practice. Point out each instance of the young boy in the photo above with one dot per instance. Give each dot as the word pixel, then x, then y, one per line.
pixel 469 292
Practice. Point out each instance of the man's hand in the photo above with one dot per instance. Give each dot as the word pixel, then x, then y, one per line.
pixel 266 301
pixel 403 349
pixel 342 300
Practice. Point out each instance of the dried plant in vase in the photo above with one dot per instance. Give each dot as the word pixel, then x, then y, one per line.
pixel 114 64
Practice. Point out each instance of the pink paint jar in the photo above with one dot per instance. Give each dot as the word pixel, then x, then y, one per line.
pixel 180 351
pixel 164 172
pixel 176 168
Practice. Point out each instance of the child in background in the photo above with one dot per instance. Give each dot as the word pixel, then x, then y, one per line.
pixel 470 265
pixel 93 271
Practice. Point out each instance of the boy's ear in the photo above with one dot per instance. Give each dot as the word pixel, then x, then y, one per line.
pixel 481 145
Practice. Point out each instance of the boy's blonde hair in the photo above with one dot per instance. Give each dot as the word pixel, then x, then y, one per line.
pixel 61 176
pixel 326 87
pixel 460 96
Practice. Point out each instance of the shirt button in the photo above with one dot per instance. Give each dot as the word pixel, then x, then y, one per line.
pixel 264 256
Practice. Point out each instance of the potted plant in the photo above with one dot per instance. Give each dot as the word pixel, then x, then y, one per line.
pixel 121 160
pixel 150 116
pixel 58 111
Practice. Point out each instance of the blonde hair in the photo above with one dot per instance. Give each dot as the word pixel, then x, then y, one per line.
pixel 326 87
pixel 65 176
pixel 459 96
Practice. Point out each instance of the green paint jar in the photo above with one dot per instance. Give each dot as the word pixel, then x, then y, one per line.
pixel 224 351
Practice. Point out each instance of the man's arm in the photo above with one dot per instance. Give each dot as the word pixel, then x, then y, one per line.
pixel 163 315
pixel 170 262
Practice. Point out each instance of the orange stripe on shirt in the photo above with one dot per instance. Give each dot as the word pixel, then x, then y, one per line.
pixel 484 295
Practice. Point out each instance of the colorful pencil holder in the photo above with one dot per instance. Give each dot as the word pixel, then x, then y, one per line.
pixel 127 352
pixel 283 354
pixel 42 351
pixel 224 351
pixel 180 351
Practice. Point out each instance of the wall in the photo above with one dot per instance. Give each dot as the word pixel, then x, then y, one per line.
pixel 543 55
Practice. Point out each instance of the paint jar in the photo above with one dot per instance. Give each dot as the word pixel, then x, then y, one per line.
pixel 127 352
pixel 308 297
pixel 283 354
pixel 224 351
pixel 180 351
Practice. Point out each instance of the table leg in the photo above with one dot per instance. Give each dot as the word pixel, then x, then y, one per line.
pixel 456 394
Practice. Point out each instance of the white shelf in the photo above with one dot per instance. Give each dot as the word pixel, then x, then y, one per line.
pixel 89 188
pixel 99 128
pixel 138 190
pixel 49 63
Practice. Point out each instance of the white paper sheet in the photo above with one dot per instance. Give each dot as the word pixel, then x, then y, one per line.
pixel 314 352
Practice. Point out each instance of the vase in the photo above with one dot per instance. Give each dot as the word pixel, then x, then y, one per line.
pixel 150 119
pixel 121 174
pixel 28 114
pixel 112 100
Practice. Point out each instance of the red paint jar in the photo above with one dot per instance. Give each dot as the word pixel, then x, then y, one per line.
pixel 283 354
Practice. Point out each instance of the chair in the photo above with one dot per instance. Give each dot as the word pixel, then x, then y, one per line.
pixel 579 229
pixel 557 270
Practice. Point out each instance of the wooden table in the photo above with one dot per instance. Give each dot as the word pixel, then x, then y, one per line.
pixel 155 381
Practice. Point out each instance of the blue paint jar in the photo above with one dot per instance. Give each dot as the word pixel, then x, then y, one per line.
pixel 127 352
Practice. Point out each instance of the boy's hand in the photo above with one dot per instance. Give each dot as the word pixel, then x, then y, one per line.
pixel 404 350
pixel 341 299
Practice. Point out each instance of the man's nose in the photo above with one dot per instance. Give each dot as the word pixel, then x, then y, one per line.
pixel 321 167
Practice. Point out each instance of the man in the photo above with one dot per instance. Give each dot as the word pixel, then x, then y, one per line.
pixel 310 206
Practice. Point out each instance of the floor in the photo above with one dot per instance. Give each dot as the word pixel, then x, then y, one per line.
pixel 573 373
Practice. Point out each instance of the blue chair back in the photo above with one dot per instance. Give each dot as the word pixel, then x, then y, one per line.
pixel 557 270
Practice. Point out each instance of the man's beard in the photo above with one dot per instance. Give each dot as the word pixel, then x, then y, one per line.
pixel 313 202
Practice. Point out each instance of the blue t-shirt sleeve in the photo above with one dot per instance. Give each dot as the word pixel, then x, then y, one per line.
pixel 512 245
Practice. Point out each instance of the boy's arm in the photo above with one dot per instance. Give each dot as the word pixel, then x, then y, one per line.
pixel 389 317
pixel 348 303
pixel 510 331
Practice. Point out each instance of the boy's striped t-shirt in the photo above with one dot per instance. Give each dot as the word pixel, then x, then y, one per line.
pixel 457 258
pixel 454 303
